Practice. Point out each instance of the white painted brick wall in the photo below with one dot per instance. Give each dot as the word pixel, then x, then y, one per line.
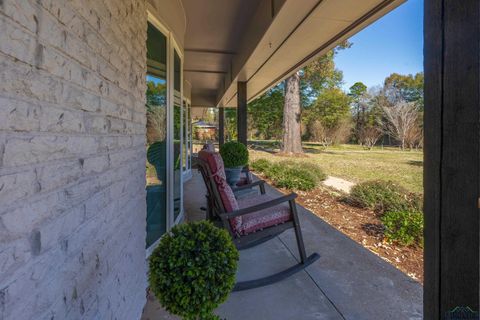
pixel 72 159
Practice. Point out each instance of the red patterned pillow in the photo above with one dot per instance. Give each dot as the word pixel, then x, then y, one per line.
pixel 215 163
pixel 229 201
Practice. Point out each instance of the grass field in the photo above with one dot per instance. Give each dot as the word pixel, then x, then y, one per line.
pixel 353 163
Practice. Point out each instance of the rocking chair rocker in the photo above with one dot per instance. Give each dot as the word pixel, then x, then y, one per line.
pixel 253 220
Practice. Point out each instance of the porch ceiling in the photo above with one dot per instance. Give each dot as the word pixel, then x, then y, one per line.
pixel 211 40
pixel 263 42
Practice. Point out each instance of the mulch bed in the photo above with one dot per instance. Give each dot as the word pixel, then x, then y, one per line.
pixel 363 226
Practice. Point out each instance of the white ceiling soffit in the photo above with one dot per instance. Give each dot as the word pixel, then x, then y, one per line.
pixel 213 30
pixel 300 31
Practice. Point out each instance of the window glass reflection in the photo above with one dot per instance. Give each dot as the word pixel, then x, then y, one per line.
pixel 156 112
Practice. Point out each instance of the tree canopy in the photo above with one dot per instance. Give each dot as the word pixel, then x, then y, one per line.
pixel 408 88
pixel 331 115
pixel 266 113
pixel 321 75
pixel 331 107
pixel 357 90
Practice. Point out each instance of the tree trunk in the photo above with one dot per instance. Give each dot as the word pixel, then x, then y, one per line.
pixel 292 140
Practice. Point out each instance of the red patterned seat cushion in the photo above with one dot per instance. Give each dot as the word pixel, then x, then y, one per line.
pixel 264 218
pixel 215 163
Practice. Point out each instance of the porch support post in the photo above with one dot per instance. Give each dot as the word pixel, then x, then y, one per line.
pixel 221 126
pixel 242 112
pixel 452 156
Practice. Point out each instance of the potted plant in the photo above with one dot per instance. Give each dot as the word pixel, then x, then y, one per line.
pixel 192 271
pixel 235 157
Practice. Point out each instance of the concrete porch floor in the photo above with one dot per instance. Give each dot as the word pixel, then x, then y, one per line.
pixel 347 282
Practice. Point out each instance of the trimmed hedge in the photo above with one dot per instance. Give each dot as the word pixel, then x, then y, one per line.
pixel 290 174
pixel 403 227
pixel 192 271
pixel 384 196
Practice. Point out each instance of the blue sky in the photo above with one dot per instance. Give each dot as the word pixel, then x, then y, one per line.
pixel 394 43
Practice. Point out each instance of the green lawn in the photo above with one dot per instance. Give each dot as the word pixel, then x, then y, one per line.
pixel 353 163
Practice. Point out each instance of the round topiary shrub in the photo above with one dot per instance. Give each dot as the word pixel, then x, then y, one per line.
pixel 384 196
pixel 234 154
pixel 192 271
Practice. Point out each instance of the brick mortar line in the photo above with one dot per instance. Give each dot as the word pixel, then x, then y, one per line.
pixel 76 37
pixel 116 22
pixel 79 64
pixel 50 249
pixel 33 134
pixel 72 133
pixel 82 89
pixel 64 54
pixel 39 195
pixel 75 133
pixel 117 40
pixel 116 192
pixel 62 80
pixel 81 206
pixel 46 104
pixel 43 164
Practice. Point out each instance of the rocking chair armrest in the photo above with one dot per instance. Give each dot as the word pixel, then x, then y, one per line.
pixel 249 185
pixel 288 198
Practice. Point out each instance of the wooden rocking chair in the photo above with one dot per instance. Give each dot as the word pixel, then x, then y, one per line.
pixel 253 220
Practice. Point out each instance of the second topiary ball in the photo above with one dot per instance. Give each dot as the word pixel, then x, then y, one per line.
pixel 234 154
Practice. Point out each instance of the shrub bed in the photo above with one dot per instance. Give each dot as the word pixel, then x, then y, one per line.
pixel 403 227
pixel 384 196
pixel 312 168
pixel 260 165
pixel 291 178
pixel 289 174
pixel 400 211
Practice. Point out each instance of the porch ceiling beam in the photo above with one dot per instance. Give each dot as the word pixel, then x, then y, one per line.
pixel 327 45
pixel 209 51
pixel 256 30
pixel 284 37
pixel 205 71
pixel 201 99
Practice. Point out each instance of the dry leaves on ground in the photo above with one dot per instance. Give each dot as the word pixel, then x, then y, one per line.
pixel 364 227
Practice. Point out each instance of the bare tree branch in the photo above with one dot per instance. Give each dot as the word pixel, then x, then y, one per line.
pixel 399 121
